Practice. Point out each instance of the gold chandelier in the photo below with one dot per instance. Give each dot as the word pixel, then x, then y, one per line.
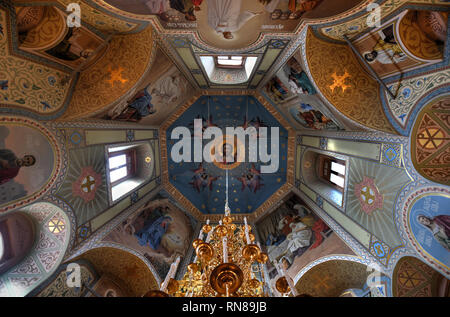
pixel 227 264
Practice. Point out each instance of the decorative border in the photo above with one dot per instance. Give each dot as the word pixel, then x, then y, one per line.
pixel 341 257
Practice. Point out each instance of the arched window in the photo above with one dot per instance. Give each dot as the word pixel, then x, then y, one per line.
pixel 325 174
pixel 5 247
pixel 332 170
pixel 122 165
pixel 128 166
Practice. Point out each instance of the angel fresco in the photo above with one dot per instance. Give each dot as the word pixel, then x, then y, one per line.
pixel 255 123
pixel 202 179
pixel 205 123
pixel 252 179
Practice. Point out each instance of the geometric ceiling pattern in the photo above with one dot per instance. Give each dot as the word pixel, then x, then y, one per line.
pixel 204 183
pixel 430 142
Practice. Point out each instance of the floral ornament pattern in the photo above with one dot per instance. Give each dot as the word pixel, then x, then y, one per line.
pixel 368 195
pixel 87 184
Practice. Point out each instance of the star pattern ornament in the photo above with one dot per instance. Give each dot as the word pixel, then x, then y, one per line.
pixel 116 76
pixel 339 81
pixel 368 195
pixel 56 225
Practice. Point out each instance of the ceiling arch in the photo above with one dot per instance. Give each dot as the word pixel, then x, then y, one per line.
pixel 127 267
pixel 52 238
pixel 331 278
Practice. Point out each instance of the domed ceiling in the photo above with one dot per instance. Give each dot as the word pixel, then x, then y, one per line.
pixel 203 184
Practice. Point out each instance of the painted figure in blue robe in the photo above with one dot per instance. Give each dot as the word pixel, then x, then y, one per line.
pixel 153 231
pixel 302 80
pixel 275 240
pixel 138 108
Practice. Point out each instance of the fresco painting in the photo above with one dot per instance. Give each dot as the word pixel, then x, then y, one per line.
pixel 232 23
pixel 204 183
pixel 309 118
pixel 290 81
pixel 159 232
pixel 290 232
pixel 26 162
pixel 161 91
pixel 429 222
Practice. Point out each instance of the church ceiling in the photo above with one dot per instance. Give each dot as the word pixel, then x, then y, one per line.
pixel 200 186
pixel 332 278
pixel 125 266
pixel 27 83
pixel 345 83
pixel 118 71
pixel 189 30
pixel 252 20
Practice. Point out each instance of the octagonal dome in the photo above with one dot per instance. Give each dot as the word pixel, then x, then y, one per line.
pixel 201 186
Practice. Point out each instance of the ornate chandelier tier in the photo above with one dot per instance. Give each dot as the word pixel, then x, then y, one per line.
pixel 228 263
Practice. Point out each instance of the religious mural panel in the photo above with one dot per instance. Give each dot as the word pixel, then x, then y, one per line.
pixel 291 80
pixel 233 23
pixel 162 89
pixel 429 225
pixel 386 48
pixel 26 161
pixel 294 236
pixel 308 117
pixel 49 37
pixel 430 141
pixel 161 233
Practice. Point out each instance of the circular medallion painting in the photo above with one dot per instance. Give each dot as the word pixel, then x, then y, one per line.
pixel 427 224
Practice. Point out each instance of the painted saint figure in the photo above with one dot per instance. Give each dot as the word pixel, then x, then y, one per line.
pixel 186 7
pixel 153 231
pixel 138 108
pixel 386 50
pixel 10 165
pixel 439 226
pixel 225 16
pixel 71 48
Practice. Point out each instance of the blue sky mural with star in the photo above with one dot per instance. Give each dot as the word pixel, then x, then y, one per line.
pixel 203 184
